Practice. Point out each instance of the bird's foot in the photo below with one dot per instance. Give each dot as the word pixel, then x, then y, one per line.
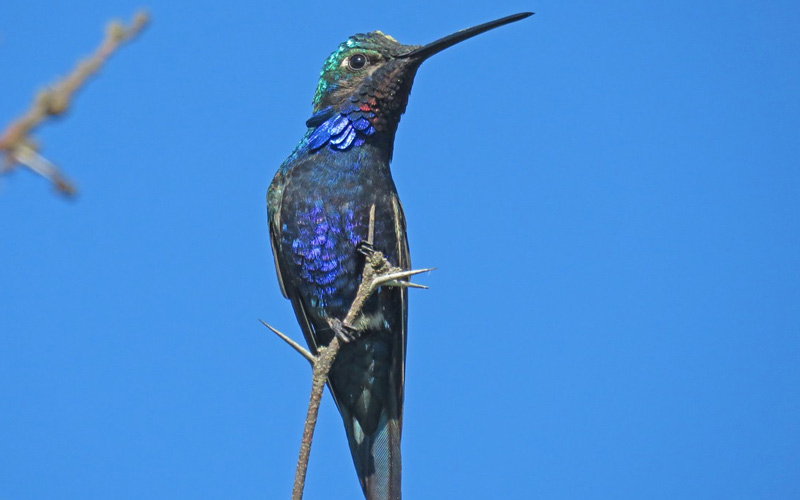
pixel 381 272
pixel 365 248
pixel 346 333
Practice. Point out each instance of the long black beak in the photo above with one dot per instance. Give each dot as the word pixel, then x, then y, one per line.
pixel 439 45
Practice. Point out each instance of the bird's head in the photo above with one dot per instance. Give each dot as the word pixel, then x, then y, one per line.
pixel 370 75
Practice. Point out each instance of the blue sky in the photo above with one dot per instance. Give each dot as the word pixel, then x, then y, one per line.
pixel 610 192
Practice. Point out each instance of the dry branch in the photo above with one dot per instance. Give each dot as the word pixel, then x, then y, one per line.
pixel 17 146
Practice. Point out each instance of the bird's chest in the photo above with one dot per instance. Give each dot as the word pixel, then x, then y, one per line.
pixel 325 213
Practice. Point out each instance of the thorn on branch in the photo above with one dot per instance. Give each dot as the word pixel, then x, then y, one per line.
pixel 294 345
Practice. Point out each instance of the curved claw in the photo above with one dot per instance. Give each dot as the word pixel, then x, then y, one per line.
pixel 365 248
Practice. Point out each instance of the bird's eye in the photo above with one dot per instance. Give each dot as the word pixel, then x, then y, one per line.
pixel 357 61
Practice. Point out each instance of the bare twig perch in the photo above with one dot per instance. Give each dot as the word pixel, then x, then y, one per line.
pixel 18 148
pixel 377 272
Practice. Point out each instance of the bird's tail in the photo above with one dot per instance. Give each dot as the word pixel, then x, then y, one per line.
pixel 376 456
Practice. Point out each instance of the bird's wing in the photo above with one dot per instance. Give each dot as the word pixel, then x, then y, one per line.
pixel 306 325
pixel 404 262
pixel 274 216
pixel 275 247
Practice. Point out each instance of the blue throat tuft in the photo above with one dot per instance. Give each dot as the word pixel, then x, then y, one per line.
pixel 350 126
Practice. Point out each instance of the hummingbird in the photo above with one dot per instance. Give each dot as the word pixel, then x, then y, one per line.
pixel 333 194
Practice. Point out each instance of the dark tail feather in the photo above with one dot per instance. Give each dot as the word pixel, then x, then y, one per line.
pixel 376 457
